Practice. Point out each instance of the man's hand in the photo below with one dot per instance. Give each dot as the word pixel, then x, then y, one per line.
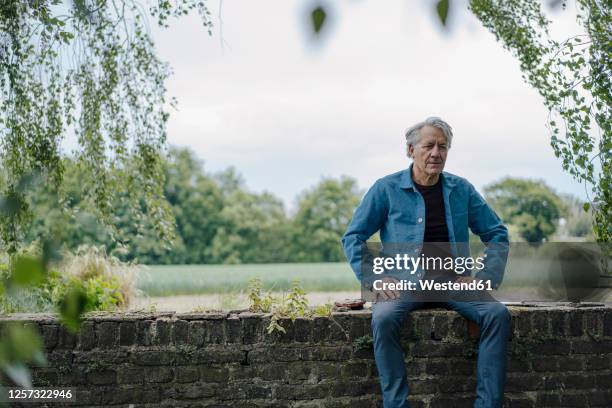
pixel 387 294
pixel 466 279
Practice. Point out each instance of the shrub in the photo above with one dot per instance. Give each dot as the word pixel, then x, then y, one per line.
pixel 107 282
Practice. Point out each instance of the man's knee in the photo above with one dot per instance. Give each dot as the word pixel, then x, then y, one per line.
pixel 385 318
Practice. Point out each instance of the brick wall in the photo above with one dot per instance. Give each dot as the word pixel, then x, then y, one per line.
pixel 558 356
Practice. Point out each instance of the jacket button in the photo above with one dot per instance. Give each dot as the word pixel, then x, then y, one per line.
pixel 420 219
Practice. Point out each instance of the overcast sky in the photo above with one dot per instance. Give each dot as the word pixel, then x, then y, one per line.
pixel 260 95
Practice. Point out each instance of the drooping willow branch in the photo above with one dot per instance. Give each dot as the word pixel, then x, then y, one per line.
pixel 86 69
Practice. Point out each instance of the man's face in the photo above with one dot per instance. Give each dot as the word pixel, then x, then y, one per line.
pixel 429 154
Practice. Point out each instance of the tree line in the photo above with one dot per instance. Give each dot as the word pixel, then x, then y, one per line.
pixel 218 220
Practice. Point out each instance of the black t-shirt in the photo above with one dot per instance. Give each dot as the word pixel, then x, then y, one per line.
pixel 435 216
pixel 435 225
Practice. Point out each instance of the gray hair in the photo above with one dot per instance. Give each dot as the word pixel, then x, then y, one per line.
pixel 413 133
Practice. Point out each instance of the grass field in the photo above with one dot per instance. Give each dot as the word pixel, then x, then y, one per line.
pixel 524 279
pixel 169 280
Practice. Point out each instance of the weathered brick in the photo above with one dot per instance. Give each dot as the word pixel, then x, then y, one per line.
pixel 233 327
pixel 423 326
pixel 252 328
pixel 571 363
pixel 440 326
pixel 214 374
pixel 127 333
pixel 547 400
pixel 599 398
pixel 545 364
pixel 144 335
pixel 436 367
pixel 187 374
pixel 134 395
pixel 601 362
pixel 49 335
pixel 107 334
pixel 102 377
pixel 456 384
pixel 604 381
pixel 591 347
pixel 196 333
pixel 569 381
pixel 152 357
pixel 157 374
pixel 607 323
pixel 215 331
pixel 437 349
pixel 103 357
pixel 517 365
pixel 458 327
pixel 45 377
pixel 552 347
pixel 540 322
pixel 130 375
pixel 576 323
pixel 180 332
pixel 66 339
pixel 334 353
pixel 73 376
pixel 451 401
pixel 209 355
pixel 330 370
pixel 246 390
pixel 354 388
pixel 303 330
pixel 519 401
pixel 593 323
pixel 521 323
pixel 302 391
pixel 573 400
pixel 320 330
pixel 461 367
pixel 418 387
pixel 162 330
pixel 354 369
pixel 519 382
pixel 558 322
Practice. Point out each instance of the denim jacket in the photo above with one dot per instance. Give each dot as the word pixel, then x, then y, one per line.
pixel 396 208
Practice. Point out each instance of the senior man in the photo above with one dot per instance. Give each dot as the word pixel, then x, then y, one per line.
pixel 425 204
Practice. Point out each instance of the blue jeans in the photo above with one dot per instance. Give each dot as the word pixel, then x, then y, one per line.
pixel 494 321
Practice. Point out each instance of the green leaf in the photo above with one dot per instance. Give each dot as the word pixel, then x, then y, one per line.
pixel 18 373
pixel 27 270
pixel 442 9
pixel 318 17
pixel 586 206
pixel 72 307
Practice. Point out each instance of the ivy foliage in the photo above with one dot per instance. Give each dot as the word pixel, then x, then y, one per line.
pixel 88 69
pixel 574 78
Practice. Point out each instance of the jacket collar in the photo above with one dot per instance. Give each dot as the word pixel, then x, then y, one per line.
pixel 448 180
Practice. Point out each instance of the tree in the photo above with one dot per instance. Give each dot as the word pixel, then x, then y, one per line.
pixel 574 77
pixel 321 219
pixel 253 229
pixel 531 206
pixel 196 201
pixel 86 67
